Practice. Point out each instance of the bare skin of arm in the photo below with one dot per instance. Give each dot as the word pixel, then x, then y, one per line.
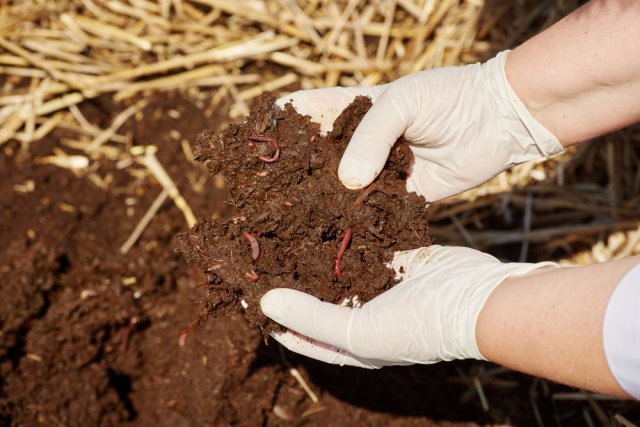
pixel 581 77
pixel 549 324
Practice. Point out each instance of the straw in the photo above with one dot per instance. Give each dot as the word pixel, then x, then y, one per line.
pixel 144 222
pixel 150 161
pixel 220 52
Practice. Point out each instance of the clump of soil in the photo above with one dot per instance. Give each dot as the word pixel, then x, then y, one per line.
pixel 290 202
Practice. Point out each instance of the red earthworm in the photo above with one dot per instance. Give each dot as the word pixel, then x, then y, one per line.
pixel 182 340
pixel 255 246
pixel 361 198
pixel 126 332
pixel 343 247
pixel 272 142
pixel 252 276
pixel 182 336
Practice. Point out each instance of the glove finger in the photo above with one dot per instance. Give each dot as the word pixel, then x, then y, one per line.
pixel 307 315
pixel 325 105
pixel 322 352
pixel 363 332
pixel 371 143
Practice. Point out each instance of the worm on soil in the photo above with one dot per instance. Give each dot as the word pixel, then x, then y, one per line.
pixel 272 142
pixel 343 247
pixel 126 332
pixel 347 234
pixel 367 191
pixel 255 246
pixel 182 336
pixel 252 276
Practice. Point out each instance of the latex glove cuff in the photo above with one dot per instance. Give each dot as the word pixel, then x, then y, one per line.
pixel 546 141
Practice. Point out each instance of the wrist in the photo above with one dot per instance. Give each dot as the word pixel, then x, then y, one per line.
pixel 482 285
pixel 539 98
pixel 532 131
pixel 491 317
pixel 580 77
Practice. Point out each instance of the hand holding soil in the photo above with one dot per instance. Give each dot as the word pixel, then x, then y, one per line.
pixel 465 125
pixel 429 317
pixel 296 225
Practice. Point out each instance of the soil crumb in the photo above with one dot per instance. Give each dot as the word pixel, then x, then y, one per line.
pixel 294 217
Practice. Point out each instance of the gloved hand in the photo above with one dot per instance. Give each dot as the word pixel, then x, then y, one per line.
pixel 466 124
pixel 429 317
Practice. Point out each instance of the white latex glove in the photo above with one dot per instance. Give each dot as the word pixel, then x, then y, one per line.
pixel 429 317
pixel 466 125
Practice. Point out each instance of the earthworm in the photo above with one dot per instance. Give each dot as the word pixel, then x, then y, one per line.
pixel 361 198
pixel 343 247
pixel 126 332
pixel 255 246
pixel 182 336
pixel 272 142
pixel 347 234
pixel 252 276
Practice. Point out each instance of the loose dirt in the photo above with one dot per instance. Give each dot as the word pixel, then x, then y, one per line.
pixel 294 218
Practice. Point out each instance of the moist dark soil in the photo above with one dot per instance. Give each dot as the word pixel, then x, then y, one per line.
pixel 69 297
pixel 298 213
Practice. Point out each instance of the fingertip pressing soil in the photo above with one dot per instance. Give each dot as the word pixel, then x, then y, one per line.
pixel 296 225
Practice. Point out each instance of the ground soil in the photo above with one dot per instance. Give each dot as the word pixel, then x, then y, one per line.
pixel 298 212
pixel 69 297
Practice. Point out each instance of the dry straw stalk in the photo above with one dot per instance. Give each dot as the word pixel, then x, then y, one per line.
pixel 217 50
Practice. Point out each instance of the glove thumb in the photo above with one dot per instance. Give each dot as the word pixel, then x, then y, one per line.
pixel 307 315
pixel 371 143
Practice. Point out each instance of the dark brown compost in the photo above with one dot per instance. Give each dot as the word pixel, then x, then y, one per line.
pixel 296 226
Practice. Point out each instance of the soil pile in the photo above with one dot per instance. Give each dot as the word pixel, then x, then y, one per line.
pixel 296 225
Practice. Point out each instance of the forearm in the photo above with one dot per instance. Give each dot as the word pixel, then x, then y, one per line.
pixel 581 77
pixel 550 324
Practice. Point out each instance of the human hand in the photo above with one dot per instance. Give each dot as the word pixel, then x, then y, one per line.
pixel 465 125
pixel 429 317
